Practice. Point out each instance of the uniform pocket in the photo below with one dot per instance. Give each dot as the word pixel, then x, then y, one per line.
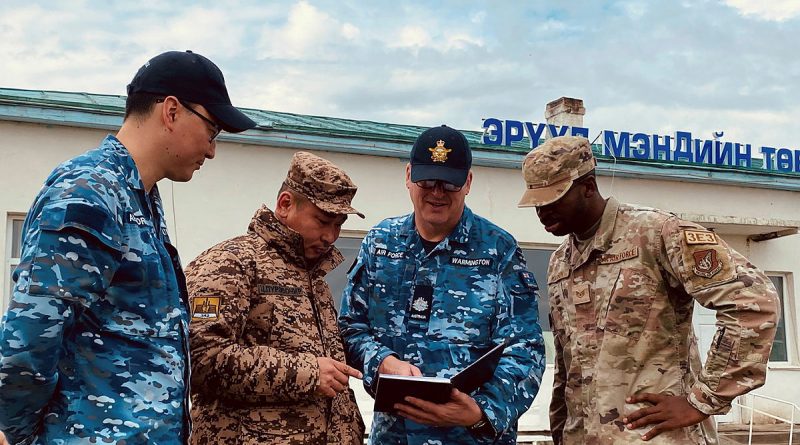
pixel 559 322
pixel 630 303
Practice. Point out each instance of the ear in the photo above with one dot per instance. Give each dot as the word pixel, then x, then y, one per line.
pixel 284 204
pixel 590 187
pixel 408 176
pixel 169 112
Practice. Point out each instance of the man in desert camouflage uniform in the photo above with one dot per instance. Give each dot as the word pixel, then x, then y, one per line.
pixel 622 289
pixel 94 346
pixel 268 361
pixel 430 293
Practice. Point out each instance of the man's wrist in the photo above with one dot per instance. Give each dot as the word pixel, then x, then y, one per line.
pixel 482 427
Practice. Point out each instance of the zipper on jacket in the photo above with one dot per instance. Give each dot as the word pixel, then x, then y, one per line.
pixel 315 311
pixel 318 320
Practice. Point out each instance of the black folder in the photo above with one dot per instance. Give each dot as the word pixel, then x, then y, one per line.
pixel 393 389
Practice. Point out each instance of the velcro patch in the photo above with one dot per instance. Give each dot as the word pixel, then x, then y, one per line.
pixel 278 289
pixel 706 263
pixel 389 254
pixel 205 308
pixel 610 258
pixel 581 294
pixel 421 302
pixel 700 237
pixel 470 262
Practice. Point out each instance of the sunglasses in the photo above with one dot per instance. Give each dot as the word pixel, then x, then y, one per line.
pixel 216 128
pixel 429 184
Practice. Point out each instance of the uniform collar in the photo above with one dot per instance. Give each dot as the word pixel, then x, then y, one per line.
pixel 131 172
pixel 602 238
pixel 289 243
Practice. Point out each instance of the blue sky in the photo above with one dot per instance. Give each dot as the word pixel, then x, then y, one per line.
pixel 649 66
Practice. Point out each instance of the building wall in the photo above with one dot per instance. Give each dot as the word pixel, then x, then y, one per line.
pixel 219 202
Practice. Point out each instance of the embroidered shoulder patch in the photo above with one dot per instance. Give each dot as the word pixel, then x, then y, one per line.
pixel 205 308
pixel 700 237
pixel 706 263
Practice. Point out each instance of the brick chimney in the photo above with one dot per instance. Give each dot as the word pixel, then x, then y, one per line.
pixel 564 111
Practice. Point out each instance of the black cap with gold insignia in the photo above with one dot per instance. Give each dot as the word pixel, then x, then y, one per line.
pixel 443 154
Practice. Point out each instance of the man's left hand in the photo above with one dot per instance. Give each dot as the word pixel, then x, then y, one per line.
pixel 460 410
pixel 667 413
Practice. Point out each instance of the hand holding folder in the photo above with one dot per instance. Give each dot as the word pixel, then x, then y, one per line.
pixel 394 389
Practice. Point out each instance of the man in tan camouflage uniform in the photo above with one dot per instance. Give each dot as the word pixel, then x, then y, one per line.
pixel 622 288
pixel 268 361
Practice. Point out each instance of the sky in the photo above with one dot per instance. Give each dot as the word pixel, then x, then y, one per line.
pixel 641 66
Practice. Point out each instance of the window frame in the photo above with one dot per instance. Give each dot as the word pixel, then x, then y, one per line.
pixel 10 260
pixel 787 311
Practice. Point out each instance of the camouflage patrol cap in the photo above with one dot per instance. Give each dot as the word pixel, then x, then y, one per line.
pixel 322 182
pixel 551 169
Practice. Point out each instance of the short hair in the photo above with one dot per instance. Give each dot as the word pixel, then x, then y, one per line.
pixel 141 104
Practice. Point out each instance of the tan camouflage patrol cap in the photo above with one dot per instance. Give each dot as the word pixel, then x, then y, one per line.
pixel 322 182
pixel 551 168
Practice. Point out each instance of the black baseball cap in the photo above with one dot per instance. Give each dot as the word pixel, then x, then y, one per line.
pixel 443 154
pixel 193 78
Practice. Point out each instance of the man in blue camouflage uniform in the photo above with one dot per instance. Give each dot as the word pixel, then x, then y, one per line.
pixel 95 341
pixel 430 293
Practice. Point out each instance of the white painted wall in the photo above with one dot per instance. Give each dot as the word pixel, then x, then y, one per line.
pixel 219 202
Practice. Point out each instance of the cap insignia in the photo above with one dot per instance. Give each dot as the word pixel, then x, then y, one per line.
pixel 439 153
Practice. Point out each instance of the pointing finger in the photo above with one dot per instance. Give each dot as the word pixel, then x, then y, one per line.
pixel 348 371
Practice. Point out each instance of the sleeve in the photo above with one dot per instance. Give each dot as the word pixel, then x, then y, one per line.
pixel 220 297
pixel 747 307
pixel 558 401
pixel 68 260
pixel 363 350
pixel 518 376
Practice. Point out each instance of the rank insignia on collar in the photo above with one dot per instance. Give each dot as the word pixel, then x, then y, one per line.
pixel 439 153
pixel 706 263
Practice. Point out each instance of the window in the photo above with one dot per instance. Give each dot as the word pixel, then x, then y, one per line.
pixel 13 246
pixel 780 347
pixel 337 279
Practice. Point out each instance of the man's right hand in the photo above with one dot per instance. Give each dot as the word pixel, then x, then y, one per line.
pixel 394 366
pixel 333 376
pixel 3 440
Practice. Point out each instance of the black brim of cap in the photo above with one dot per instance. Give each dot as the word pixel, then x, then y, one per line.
pixel 230 118
pixel 423 172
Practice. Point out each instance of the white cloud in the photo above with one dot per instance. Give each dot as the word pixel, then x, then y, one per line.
pixel 642 65
pixel 774 10
pixel 634 10
pixel 757 127
pixel 412 36
pixel 350 31
pixel 308 34
pixel 478 17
